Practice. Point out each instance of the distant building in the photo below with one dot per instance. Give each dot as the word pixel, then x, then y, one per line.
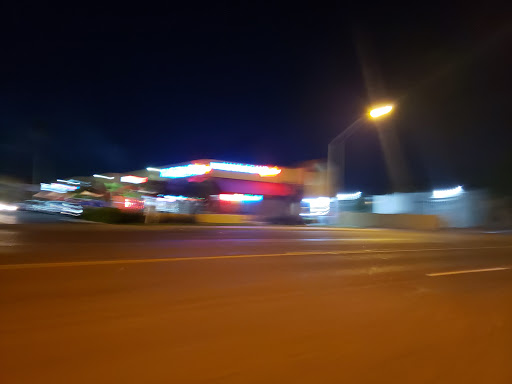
pixel 217 186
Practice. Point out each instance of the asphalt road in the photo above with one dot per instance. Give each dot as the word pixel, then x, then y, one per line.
pixel 105 304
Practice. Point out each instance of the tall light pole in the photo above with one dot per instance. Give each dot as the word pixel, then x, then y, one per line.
pixel 337 146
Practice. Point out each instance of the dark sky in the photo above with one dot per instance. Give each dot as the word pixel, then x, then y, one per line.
pixel 87 89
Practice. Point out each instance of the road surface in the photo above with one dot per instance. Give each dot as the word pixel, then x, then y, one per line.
pixel 116 304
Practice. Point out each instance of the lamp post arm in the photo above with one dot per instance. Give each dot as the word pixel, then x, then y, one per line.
pixel 336 169
pixel 349 131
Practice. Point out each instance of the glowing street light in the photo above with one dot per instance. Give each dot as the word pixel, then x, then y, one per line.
pixel 378 112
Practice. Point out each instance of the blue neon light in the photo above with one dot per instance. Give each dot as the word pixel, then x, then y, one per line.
pixel 185 171
pixel 262 170
pixel 201 169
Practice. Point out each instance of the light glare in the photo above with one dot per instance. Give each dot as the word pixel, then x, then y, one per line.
pixel 377 112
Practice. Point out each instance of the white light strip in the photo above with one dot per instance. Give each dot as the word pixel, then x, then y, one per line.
pixel 445 193
pixel 349 196
pixel 153 169
pixel 74 182
pixel 103 177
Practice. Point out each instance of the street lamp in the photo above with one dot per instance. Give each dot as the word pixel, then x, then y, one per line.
pixel 378 112
pixel 340 140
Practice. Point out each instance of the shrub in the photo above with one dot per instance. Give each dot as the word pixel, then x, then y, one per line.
pixel 112 216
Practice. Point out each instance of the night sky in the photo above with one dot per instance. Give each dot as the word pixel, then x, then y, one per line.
pixel 88 89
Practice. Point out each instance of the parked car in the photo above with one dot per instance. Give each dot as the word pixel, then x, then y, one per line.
pixel 61 207
pixel 33 205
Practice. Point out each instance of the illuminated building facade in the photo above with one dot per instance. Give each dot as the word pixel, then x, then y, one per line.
pixel 198 186
pixel 228 187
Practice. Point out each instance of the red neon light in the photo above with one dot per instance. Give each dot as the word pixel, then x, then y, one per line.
pixel 133 204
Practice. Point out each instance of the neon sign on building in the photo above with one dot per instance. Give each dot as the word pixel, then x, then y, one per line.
pixel 201 169
pixel 133 179
pixel 261 170
pixel 240 197
pixel 185 171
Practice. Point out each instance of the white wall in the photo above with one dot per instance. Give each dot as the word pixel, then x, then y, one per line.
pixel 466 210
pixel 399 203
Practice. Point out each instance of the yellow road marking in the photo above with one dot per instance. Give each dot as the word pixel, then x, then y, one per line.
pixel 467 271
pixel 221 257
